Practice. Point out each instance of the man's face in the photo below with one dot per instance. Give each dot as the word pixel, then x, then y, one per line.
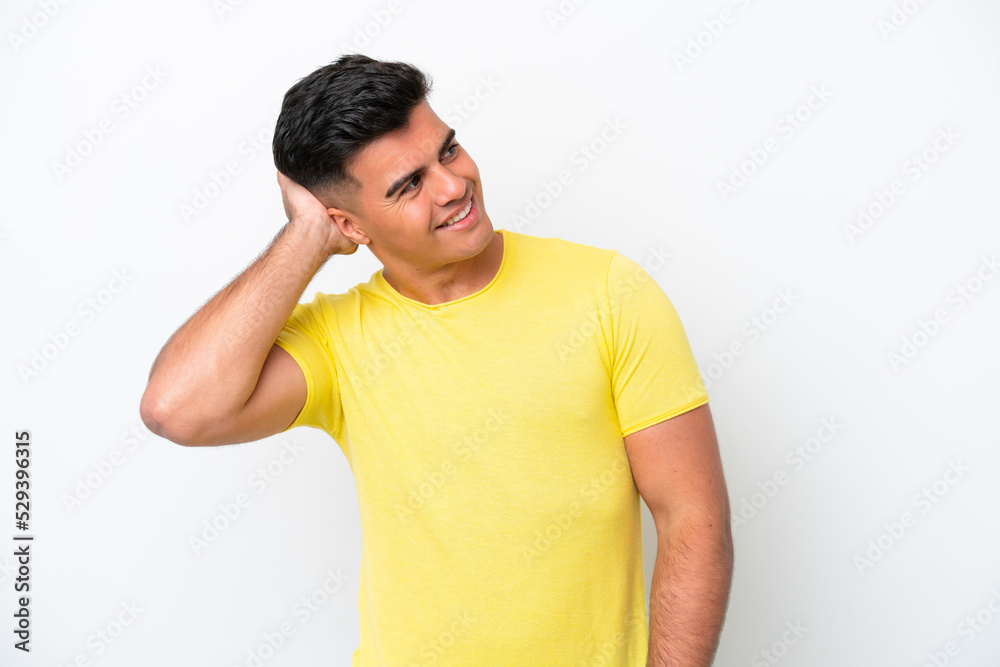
pixel 413 181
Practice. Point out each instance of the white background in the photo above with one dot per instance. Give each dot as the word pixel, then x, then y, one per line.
pixel 114 508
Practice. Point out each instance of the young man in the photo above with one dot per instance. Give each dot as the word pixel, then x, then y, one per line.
pixel 502 400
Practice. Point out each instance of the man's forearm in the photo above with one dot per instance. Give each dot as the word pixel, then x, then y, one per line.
pixel 211 364
pixel 689 592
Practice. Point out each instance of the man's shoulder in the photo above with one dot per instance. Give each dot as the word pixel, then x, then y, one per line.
pixel 329 303
pixel 559 253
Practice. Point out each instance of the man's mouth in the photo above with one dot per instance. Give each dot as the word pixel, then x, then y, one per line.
pixel 458 217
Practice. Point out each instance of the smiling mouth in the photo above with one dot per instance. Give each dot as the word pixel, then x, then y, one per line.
pixel 459 216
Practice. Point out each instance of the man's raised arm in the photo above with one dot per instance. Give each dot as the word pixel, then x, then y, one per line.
pixel 220 379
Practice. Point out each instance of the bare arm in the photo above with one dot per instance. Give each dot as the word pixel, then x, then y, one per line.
pixel 678 471
pixel 220 379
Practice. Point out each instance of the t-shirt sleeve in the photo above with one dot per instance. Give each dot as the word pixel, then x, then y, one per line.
pixel 654 373
pixel 306 336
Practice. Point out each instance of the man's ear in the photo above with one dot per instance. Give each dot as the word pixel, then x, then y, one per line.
pixel 341 205
pixel 345 223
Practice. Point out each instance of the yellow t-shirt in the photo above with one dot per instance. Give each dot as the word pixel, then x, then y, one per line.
pixel 500 522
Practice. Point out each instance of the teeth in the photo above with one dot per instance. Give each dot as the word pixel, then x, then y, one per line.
pixel 460 215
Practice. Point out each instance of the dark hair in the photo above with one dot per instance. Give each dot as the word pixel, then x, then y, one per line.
pixel 329 116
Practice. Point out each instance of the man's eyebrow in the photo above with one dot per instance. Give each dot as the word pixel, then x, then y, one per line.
pixel 401 181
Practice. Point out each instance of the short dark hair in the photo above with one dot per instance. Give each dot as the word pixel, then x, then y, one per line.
pixel 329 116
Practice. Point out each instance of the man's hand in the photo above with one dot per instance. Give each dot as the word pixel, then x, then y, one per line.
pixel 302 207
pixel 221 378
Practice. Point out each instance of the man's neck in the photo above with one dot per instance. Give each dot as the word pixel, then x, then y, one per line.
pixel 479 272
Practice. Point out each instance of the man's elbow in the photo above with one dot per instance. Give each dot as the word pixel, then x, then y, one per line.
pixel 704 525
pixel 723 533
pixel 161 419
pixel 711 534
pixel 721 526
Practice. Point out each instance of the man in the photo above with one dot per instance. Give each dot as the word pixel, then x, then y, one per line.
pixel 502 400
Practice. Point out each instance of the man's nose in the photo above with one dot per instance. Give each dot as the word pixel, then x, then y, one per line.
pixel 448 186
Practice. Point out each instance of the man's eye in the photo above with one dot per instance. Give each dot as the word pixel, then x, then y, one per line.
pixel 411 185
pixel 415 181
